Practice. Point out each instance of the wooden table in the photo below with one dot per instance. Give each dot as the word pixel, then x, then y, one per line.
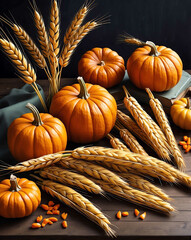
pixel 155 226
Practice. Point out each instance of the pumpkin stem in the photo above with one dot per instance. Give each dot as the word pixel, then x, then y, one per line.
pixel 37 119
pixel 14 184
pixel 153 51
pixel 83 90
pixel 102 63
pixel 188 103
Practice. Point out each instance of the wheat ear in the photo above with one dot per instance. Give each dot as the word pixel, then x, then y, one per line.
pixel 132 126
pixel 26 71
pixel 144 185
pixel 92 170
pixel 127 38
pixel 144 164
pixel 75 200
pixel 74 41
pixel 130 140
pixel 37 163
pixel 76 22
pixel 136 196
pixel 42 33
pixel 150 128
pixel 29 44
pixel 67 177
pixel 54 30
pixel 163 122
pixel 117 143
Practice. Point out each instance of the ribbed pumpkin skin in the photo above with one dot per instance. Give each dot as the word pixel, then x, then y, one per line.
pixel 86 120
pixel 108 75
pixel 19 204
pixel 27 141
pixel 181 115
pixel 159 73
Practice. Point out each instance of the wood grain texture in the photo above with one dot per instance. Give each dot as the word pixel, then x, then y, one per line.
pixel 155 226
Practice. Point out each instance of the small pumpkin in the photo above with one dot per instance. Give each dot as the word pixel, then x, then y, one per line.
pixel 181 113
pixel 156 67
pixel 102 66
pixel 19 197
pixel 35 134
pixel 88 111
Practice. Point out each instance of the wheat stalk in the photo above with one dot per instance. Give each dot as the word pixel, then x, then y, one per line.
pixel 27 72
pixel 117 143
pixel 20 62
pixel 162 120
pixel 130 140
pixel 29 44
pixel 92 170
pixel 37 163
pixel 127 160
pixel 136 196
pixel 150 128
pixel 76 23
pixel 142 184
pixel 42 33
pixel 127 38
pixel 132 126
pixel 75 200
pixel 67 177
pixel 74 41
pixel 54 30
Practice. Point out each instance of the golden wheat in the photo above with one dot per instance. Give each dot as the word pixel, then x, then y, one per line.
pixel 117 143
pixel 144 185
pixel 92 170
pixel 29 44
pixel 42 33
pixel 162 120
pixel 75 200
pixel 143 164
pixel 147 125
pixel 74 41
pixel 136 196
pixel 67 177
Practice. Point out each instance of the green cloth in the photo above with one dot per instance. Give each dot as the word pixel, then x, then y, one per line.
pixel 12 106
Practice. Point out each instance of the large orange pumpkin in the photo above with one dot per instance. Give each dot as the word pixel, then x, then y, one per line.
pixel 102 66
pixel 181 113
pixel 18 197
pixel 156 67
pixel 88 111
pixel 34 135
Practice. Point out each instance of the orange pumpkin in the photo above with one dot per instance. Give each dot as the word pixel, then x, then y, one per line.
pixel 102 66
pixel 18 197
pixel 181 113
pixel 156 67
pixel 34 135
pixel 88 111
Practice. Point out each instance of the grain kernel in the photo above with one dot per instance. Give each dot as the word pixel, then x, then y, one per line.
pixel 125 214
pixel 36 225
pixel 64 224
pixel 118 215
pixel 136 212
pixel 142 216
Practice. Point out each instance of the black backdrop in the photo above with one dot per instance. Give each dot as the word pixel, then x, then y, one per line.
pixel 165 22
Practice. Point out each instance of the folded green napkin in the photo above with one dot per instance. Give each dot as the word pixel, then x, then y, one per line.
pixel 12 106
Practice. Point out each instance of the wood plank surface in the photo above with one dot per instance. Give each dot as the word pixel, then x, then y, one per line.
pixel 155 226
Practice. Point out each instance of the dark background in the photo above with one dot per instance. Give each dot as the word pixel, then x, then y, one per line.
pixel 165 22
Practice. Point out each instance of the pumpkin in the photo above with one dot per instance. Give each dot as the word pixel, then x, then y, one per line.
pixel 35 134
pixel 88 111
pixel 102 66
pixel 19 197
pixel 180 113
pixel 156 67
